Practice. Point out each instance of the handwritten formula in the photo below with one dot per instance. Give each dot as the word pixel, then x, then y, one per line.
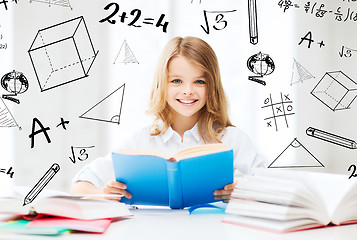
pixel 134 19
pixel 8 172
pixel 321 10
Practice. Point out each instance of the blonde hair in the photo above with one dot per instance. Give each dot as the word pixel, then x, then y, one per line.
pixel 214 115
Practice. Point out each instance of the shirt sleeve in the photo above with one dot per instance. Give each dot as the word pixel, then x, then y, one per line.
pixel 246 156
pixel 99 172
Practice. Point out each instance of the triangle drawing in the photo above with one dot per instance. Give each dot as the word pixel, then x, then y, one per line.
pixel 295 155
pixel 6 118
pixel 62 3
pixel 299 73
pixel 108 109
pixel 125 54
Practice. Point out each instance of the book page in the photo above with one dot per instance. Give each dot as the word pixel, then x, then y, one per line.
pixel 329 188
pixel 200 150
pixel 182 154
pixel 144 152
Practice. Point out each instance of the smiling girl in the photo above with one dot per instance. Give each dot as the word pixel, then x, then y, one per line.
pixel 191 109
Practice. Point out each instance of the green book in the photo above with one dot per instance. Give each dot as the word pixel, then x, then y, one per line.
pixel 20 227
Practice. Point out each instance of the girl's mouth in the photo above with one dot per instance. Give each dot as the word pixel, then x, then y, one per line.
pixel 187 101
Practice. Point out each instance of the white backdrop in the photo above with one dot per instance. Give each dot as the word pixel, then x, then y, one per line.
pixel 309 35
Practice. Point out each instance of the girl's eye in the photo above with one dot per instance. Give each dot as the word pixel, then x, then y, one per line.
pixel 200 82
pixel 176 81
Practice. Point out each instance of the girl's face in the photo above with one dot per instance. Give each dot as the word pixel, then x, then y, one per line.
pixel 186 88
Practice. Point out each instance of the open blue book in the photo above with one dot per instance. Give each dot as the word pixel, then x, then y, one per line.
pixel 186 179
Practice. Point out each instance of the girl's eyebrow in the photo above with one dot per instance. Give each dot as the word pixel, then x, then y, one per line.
pixel 202 76
pixel 176 75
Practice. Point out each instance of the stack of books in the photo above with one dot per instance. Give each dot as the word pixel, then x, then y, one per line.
pixel 282 200
pixel 59 213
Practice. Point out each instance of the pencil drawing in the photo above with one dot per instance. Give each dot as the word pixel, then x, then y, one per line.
pixel 46 53
pixel 108 109
pixel 295 155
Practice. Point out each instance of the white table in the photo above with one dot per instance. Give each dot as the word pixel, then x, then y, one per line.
pixel 161 223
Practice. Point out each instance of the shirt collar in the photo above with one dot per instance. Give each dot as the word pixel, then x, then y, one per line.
pixel 169 133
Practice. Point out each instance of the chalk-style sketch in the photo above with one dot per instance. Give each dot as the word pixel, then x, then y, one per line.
pixel 332 138
pixel 336 90
pixel 346 52
pixel 278 110
pixel 9 172
pixel 261 64
pixel 6 118
pixel 253 24
pixel 352 168
pixel 79 153
pixel 41 184
pixel 299 73
pixel 61 3
pixel 108 109
pixel 303 157
pixel 308 37
pixel 15 83
pixel 62 53
pixel 125 54
pixel 220 21
pixel 134 20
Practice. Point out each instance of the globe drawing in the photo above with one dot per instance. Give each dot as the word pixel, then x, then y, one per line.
pixel 261 64
pixel 14 82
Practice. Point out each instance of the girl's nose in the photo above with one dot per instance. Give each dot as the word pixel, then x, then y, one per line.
pixel 188 90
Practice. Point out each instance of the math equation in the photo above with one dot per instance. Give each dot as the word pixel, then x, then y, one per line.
pixel 219 22
pixel 9 172
pixel 79 153
pixel 321 10
pixel 134 19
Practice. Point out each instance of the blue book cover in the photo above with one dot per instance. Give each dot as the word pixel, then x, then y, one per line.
pixel 186 179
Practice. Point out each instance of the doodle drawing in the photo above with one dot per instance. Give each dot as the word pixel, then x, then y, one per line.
pixel 295 155
pixel 332 138
pixel 253 26
pixel 220 21
pixel 62 53
pixel 9 172
pixel 107 110
pixel 261 64
pixel 6 118
pixel 299 73
pixel 279 110
pixel 125 54
pixel 79 153
pixel 15 83
pixel 61 3
pixel 336 90
pixel 41 184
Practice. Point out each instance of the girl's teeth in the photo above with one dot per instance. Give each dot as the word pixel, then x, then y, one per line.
pixel 187 101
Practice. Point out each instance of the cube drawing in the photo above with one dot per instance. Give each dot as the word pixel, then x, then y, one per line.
pixel 336 90
pixel 62 53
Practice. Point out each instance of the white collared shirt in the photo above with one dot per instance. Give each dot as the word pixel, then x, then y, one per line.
pixel 100 171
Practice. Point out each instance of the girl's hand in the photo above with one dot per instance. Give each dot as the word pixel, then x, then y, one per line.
pixel 115 187
pixel 225 193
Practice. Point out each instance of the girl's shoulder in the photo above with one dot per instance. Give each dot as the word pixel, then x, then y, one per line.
pixel 234 134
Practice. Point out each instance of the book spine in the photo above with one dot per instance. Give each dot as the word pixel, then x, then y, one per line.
pixel 174 184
